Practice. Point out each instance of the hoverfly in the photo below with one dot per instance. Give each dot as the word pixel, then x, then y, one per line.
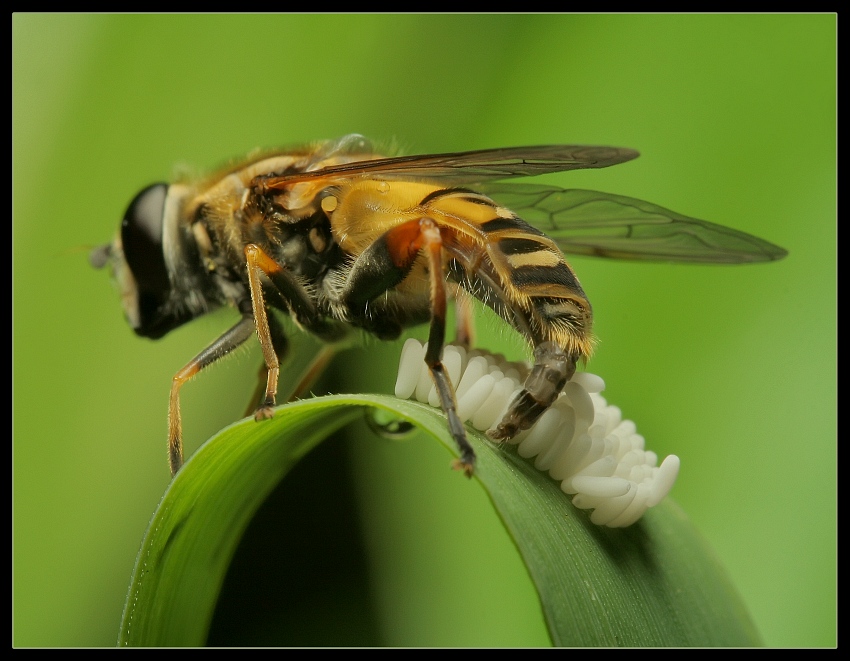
pixel 337 235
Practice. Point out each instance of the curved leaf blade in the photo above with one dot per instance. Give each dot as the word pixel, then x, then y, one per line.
pixel 654 584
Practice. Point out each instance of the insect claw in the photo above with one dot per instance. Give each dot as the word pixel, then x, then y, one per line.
pixel 264 413
pixel 502 433
pixel 465 465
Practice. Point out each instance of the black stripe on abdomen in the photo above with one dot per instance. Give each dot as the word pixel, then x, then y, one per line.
pixel 552 309
pixel 513 223
pixel 558 274
pixel 473 197
pixel 521 246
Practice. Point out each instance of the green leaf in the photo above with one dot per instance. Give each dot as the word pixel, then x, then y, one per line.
pixel 653 584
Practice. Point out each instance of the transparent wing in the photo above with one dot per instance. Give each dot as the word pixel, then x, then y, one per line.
pixel 466 167
pixel 584 222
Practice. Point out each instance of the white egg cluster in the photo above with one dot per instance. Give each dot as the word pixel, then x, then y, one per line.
pixel 582 442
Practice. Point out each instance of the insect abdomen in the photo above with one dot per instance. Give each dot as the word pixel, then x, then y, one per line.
pixel 536 283
pixel 540 282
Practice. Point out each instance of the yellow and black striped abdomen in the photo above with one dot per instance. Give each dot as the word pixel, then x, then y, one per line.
pixel 540 283
pixel 534 279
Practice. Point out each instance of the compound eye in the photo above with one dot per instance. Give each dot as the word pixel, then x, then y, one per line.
pixel 141 239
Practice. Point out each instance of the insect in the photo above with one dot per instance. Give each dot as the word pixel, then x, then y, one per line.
pixel 339 236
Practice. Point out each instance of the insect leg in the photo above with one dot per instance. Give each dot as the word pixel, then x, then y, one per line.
pixel 553 367
pixel 464 319
pixel 433 246
pixel 306 379
pixel 260 262
pixel 218 349
pixel 281 347
pixel 301 305
pixel 384 265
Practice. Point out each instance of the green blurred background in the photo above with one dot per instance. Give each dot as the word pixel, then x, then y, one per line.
pixel 731 368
